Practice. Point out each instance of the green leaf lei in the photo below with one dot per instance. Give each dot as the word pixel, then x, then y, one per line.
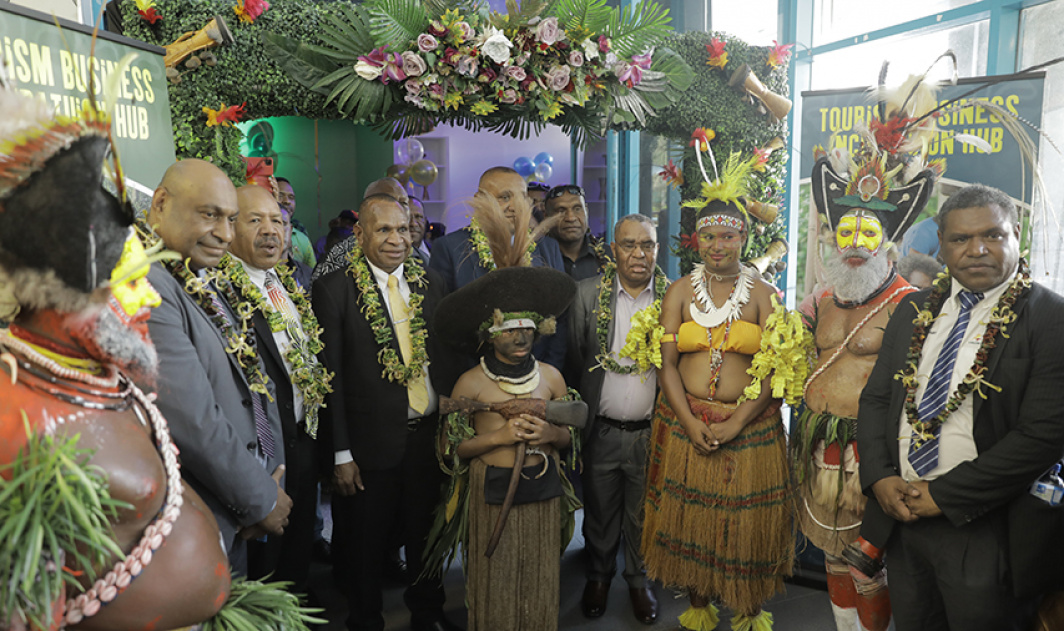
pixel 999 319
pixel 483 250
pixel 605 314
pixel 388 356
pixel 307 374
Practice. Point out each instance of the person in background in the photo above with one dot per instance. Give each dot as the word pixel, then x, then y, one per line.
pixel 921 238
pixel 435 230
pixel 337 258
pixel 537 192
pixel 341 227
pixel 300 271
pixel 584 256
pixel 302 250
pixel 418 227
pixel 919 269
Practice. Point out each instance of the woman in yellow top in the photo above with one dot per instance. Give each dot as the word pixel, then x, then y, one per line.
pixel 718 510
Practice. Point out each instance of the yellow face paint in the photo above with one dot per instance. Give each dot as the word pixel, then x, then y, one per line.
pixel 859 230
pixel 129 284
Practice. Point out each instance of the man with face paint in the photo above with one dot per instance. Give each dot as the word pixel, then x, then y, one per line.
pixel 73 362
pixel 863 222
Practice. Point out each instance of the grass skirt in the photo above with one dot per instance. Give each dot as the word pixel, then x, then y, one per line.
pixel 517 589
pixel 721 525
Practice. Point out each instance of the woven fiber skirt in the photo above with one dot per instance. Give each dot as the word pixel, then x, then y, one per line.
pixel 721 525
pixel 517 589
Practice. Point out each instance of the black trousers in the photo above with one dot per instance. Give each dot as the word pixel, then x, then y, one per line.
pixel 945 578
pixel 288 557
pixel 403 497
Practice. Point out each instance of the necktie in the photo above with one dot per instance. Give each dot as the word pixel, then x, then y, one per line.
pixel 284 306
pixel 925 457
pixel 417 393
pixel 262 426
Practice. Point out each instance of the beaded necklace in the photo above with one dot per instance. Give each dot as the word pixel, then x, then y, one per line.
pixel 394 368
pixel 107 588
pixel 1000 317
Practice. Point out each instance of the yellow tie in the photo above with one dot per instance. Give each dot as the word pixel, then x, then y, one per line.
pixel 416 392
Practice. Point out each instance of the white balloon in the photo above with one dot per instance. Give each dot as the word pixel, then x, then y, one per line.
pixel 410 150
pixel 543 171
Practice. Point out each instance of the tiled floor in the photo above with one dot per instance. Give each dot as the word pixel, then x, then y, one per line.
pixel 799 608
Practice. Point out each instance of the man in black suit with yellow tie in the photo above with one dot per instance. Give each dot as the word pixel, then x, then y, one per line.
pixel 948 470
pixel 381 419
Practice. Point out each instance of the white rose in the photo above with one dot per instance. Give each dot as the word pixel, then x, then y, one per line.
pixel 591 50
pixel 497 47
pixel 368 71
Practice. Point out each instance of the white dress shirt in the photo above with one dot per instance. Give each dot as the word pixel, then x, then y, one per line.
pixel 956 442
pixel 627 397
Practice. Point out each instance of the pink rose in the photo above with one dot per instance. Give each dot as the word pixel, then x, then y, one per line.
pixel 522 59
pixel 426 43
pixel 467 31
pixel 436 91
pixel 548 32
pixel 413 64
pixel 558 78
pixel 515 72
pixel 576 59
pixel 413 86
pixel 508 96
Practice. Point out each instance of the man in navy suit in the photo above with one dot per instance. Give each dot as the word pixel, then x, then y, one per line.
pixel 969 546
pixel 457 261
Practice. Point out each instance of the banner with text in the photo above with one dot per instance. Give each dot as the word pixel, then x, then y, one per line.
pixel 833 115
pixel 56 65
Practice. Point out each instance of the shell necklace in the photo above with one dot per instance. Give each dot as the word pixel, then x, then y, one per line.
pixel 712 315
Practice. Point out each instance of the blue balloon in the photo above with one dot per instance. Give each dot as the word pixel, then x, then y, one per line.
pixel 524 166
pixel 543 158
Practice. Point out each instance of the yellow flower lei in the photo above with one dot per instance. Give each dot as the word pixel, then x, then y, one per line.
pixel 483 250
pixel 394 368
pixel 307 374
pixel 787 352
pixel 643 342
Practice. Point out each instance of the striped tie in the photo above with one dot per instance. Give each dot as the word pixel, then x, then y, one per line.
pixel 262 425
pixel 925 457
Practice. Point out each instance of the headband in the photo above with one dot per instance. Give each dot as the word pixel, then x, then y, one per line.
pixel 727 221
pixel 517 323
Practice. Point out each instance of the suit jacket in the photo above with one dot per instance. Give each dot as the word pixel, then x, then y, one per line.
pixel 366 412
pixel 1019 433
pixel 457 263
pixel 584 346
pixel 206 400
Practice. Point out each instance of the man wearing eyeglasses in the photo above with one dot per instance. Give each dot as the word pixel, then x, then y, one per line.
pixel 620 401
pixel 583 257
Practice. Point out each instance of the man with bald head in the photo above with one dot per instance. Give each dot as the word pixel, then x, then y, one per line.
pixel 336 258
pixel 381 419
pixel 459 262
pixel 227 429
pixel 287 345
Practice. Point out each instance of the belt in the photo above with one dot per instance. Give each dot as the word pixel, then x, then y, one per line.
pixel 414 423
pixel 624 426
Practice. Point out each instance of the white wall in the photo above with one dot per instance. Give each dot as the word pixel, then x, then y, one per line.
pixel 470 154
pixel 63 8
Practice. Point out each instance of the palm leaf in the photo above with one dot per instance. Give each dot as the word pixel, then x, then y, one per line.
pixel 517 16
pixel 396 23
pixel 302 62
pixel 436 8
pixel 677 76
pixel 592 15
pixel 635 29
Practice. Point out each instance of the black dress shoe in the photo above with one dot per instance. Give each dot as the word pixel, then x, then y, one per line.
pixel 443 624
pixel 593 603
pixel 644 604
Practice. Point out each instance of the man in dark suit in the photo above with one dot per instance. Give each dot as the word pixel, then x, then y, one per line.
pixel 457 259
pixel 227 434
pixel 620 402
pixel 583 256
pixel 381 420
pixel 969 547
pixel 288 345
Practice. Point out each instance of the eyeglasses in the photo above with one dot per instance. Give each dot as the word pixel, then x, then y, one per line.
pixel 648 247
pixel 538 187
pixel 571 189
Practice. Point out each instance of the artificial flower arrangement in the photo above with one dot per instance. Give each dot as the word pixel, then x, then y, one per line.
pixel 576 63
